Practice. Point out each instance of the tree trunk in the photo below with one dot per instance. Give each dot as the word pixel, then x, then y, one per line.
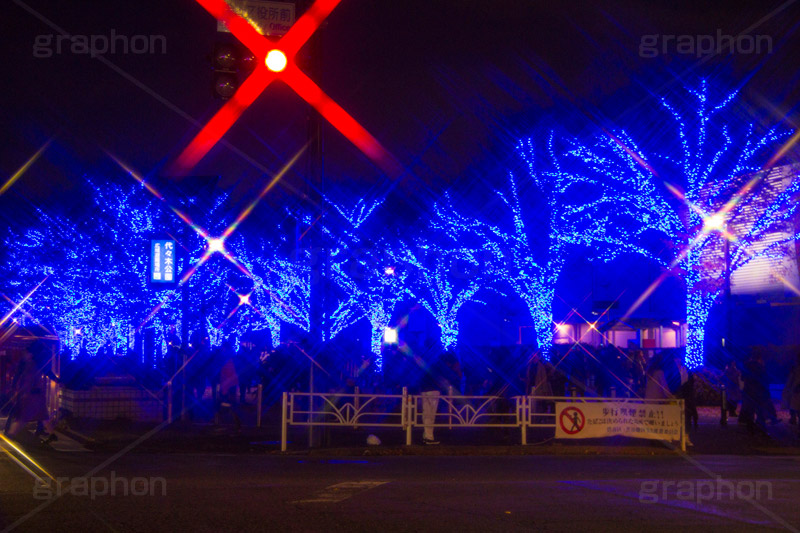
pixel 539 300
pixel 449 334
pixel 275 333
pixel 376 343
pixel 698 307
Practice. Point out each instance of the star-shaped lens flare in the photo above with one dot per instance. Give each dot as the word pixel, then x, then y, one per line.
pixel 18 174
pixel 22 302
pixel 276 61
pixel 214 245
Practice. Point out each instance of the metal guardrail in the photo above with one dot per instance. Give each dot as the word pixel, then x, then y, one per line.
pixel 467 411
pixel 404 411
pixel 344 410
pixel 317 409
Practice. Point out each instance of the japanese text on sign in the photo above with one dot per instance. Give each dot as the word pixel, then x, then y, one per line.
pixel 605 419
pixel 162 261
pixel 268 18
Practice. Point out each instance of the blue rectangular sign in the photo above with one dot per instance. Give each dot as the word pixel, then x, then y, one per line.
pixel 162 261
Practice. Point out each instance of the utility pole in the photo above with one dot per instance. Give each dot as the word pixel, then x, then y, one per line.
pixel 728 298
pixel 319 252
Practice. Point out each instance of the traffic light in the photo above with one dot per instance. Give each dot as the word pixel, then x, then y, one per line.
pixel 230 63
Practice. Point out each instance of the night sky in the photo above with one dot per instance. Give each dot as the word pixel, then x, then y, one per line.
pixel 447 86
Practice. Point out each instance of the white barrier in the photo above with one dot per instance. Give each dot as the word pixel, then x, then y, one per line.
pixel 468 411
pixel 406 411
pixel 344 410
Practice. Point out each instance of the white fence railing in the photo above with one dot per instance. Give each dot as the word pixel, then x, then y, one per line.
pixel 405 411
pixel 465 411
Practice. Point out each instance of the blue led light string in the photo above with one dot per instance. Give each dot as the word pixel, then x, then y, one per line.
pixel 435 282
pixel 364 270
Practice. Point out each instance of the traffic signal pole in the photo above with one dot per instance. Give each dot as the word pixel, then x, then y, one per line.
pixel 319 252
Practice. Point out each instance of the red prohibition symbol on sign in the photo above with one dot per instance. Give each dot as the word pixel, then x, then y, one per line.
pixel 572 420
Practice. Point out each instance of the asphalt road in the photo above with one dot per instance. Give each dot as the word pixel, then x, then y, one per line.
pixel 262 492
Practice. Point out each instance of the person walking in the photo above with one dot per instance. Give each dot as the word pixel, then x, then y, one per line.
pixel 540 385
pixel 228 386
pixel 686 392
pixel 732 379
pixel 429 390
pixel 791 392
pixel 639 372
pixel 197 373
pixel 755 395
pixel 441 376
pixel 30 403
pixel 656 386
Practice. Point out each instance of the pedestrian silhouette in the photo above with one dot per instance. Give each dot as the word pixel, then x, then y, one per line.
pixel 576 422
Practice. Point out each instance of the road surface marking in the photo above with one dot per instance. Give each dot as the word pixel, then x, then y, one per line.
pixel 341 491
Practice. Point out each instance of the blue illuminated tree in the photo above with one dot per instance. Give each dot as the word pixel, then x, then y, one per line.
pixel 718 171
pixel 280 290
pixel 132 215
pixel 73 298
pixel 364 271
pixel 128 217
pixel 244 287
pixel 442 277
pixel 529 268
pixel 527 251
pixel 96 293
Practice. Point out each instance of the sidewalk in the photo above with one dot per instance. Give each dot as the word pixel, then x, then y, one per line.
pixel 712 438
pixel 202 436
